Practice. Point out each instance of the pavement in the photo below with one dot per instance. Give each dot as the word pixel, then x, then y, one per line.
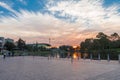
pixel 40 68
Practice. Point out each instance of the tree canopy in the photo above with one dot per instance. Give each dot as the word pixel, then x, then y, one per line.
pixel 101 42
pixel 21 44
pixel 9 46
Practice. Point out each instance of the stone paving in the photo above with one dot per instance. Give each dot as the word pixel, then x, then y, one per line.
pixel 40 68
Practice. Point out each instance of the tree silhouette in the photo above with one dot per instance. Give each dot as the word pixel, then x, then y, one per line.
pixel 101 35
pixel 9 46
pixel 21 44
pixel 102 44
pixel 115 36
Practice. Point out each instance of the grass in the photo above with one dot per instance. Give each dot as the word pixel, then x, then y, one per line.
pixel 33 53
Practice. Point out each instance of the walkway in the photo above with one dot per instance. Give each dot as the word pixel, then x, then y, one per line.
pixel 40 68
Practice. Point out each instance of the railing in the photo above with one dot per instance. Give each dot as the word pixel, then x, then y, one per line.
pixel 99 57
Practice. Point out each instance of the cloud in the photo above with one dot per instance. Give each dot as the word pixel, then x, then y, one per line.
pixel 31 25
pixel 23 1
pixel 6 6
pixel 90 13
pixel 88 18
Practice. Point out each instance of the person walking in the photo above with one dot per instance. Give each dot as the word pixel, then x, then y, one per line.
pixel 4 54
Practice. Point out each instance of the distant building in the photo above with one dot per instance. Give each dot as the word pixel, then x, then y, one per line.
pixel 41 45
pixel 9 40
pixel 2 42
pixel 47 46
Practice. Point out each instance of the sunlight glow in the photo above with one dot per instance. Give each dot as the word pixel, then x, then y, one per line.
pixel 75 56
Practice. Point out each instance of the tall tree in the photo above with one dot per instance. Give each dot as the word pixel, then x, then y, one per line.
pixel 103 40
pixel 9 46
pixel 101 35
pixel 21 44
pixel 115 36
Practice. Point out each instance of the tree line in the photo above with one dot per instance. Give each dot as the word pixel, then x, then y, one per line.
pixel 20 45
pixel 102 44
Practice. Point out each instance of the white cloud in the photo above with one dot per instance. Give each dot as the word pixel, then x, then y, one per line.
pixel 30 24
pixel 90 13
pixel 23 1
pixel 6 6
pixel 91 18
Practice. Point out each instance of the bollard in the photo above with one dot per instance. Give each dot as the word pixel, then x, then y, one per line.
pixel 71 59
pixel 91 57
pixel 108 57
pixel 119 58
pixel 99 57
pixel 84 57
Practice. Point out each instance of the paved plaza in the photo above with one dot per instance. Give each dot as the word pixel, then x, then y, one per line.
pixel 40 68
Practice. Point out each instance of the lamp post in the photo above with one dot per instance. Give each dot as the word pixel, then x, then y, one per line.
pixel 91 56
pixel 99 58
pixel 108 57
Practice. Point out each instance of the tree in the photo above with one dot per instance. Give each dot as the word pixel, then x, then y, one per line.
pixel 101 35
pixel 21 44
pixel 103 44
pixel 66 47
pixel 115 36
pixel 103 40
pixel 82 47
pixel 9 46
pixel 96 44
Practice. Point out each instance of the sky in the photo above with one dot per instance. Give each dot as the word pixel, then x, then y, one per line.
pixel 66 22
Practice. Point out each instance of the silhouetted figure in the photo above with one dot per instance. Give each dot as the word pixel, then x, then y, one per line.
pixel 13 53
pixel 78 56
pixel 72 59
pixel 49 57
pixel 8 53
pixel 4 55
pixel 68 55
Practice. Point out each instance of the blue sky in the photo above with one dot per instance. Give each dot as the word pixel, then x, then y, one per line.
pixel 39 5
pixel 111 2
pixel 64 21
